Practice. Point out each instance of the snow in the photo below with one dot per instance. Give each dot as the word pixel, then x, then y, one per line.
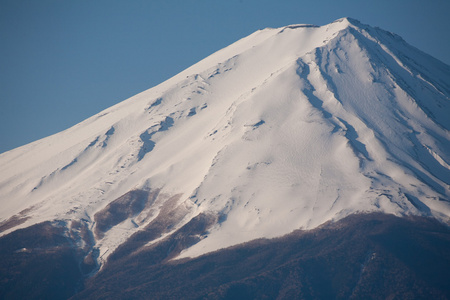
pixel 287 128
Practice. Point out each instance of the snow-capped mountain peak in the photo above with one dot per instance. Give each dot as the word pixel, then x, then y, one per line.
pixel 287 128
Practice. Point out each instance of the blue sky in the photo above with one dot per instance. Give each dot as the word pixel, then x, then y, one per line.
pixel 63 61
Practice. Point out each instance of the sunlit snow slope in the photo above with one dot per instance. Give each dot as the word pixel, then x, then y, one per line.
pixel 287 128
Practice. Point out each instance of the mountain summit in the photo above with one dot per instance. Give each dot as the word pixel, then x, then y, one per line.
pixel 286 129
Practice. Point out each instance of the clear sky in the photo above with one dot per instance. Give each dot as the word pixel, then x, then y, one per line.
pixel 62 61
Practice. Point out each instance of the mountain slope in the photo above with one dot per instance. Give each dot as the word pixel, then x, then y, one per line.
pixel 286 129
pixel 371 256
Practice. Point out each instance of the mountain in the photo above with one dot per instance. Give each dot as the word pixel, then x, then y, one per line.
pixel 297 142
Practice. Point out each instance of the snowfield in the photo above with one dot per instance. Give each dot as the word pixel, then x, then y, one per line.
pixel 287 128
